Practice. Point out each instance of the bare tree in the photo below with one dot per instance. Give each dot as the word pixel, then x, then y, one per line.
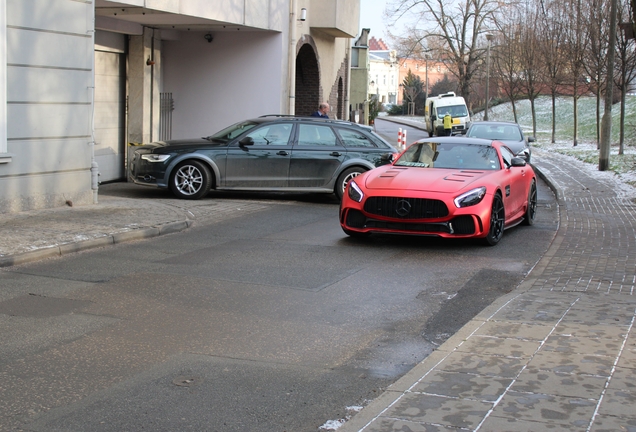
pixel 552 27
pixel 551 47
pixel 455 29
pixel 596 52
pixel 506 61
pixel 575 35
pixel 606 122
pixel 530 58
pixel 626 68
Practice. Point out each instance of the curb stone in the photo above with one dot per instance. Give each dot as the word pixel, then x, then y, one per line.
pixel 73 247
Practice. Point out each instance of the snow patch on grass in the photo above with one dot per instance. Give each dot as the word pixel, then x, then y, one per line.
pixel 622 168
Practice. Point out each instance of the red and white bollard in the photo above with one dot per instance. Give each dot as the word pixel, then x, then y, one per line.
pixel 403 144
pixel 399 143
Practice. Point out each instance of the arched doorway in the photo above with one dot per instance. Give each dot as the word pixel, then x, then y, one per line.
pixel 307 81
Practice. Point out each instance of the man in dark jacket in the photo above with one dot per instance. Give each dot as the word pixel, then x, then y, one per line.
pixel 323 109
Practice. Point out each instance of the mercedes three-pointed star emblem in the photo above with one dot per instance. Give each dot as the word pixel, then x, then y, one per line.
pixel 403 208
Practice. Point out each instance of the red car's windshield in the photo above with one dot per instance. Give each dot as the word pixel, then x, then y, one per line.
pixel 450 155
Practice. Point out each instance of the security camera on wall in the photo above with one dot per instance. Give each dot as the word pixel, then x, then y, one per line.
pixel 303 14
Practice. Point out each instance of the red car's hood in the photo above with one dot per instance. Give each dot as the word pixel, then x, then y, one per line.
pixel 422 179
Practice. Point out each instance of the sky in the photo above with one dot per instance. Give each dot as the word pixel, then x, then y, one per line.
pixel 371 16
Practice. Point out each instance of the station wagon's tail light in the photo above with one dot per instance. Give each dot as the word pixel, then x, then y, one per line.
pixel 471 197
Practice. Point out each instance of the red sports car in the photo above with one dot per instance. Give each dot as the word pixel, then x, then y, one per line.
pixel 452 187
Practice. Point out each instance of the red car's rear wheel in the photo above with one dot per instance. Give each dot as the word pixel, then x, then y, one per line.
pixel 531 210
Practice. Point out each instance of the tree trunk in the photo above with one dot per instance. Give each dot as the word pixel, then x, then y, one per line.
pixel 534 116
pixel 576 109
pixel 621 144
pixel 606 135
pixel 598 117
pixel 624 89
pixel 553 94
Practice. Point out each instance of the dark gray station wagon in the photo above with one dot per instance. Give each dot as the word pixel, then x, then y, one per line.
pixel 270 153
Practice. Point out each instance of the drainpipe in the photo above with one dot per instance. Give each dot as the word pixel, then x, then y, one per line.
pixel 291 58
pixel 152 83
pixel 347 112
pixel 94 166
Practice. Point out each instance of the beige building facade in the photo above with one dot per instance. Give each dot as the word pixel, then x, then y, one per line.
pixel 82 81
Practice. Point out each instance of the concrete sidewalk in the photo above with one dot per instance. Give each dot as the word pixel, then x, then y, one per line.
pixel 125 212
pixel 557 353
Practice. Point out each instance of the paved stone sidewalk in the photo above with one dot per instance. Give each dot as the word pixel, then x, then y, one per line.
pixel 558 353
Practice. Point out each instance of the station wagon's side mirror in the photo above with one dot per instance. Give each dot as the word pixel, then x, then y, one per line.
pixel 531 139
pixel 246 141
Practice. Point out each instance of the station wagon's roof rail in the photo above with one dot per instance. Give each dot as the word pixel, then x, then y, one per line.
pixel 311 118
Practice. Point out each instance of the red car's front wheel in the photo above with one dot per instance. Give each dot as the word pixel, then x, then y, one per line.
pixel 497 221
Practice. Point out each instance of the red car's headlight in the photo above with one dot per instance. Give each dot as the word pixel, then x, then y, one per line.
pixel 354 191
pixel 471 197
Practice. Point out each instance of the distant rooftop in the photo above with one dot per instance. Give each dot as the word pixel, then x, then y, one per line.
pixel 380 55
pixel 377 45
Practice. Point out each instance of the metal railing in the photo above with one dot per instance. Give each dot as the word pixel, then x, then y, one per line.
pixel 165 118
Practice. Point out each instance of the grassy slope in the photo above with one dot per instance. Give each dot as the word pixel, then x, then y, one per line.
pixel 586 150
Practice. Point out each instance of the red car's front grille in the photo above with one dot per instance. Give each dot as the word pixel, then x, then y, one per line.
pixel 406 208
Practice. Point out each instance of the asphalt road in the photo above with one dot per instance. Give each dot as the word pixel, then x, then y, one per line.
pixel 389 131
pixel 273 321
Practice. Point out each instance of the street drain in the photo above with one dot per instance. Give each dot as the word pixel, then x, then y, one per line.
pixel 186 381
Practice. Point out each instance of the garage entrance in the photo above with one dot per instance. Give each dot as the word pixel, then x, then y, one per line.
pixel 110 105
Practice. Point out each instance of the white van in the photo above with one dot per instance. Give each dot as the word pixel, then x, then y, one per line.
pixel 436 109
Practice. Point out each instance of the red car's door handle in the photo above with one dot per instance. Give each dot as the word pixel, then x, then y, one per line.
pixel 282 153
pixel 336 154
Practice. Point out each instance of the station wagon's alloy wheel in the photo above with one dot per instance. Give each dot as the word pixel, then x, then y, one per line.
pixel 497 221
pixel 531 210
pixel 191 180
pixel 345 178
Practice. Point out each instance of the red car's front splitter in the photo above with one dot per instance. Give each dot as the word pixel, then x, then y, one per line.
pixel 461 226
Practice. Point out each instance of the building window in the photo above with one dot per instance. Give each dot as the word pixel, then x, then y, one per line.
pixel 355 57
